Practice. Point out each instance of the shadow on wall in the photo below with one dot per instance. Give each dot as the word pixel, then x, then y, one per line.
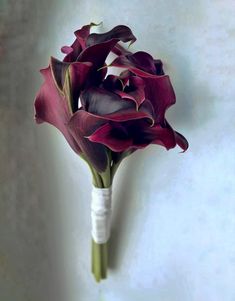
pixel 25 197
pixel 194 100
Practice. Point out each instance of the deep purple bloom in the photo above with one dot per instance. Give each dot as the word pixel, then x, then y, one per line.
pixel 97 112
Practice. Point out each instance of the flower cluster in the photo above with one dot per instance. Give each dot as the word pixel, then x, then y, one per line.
pixel 101 114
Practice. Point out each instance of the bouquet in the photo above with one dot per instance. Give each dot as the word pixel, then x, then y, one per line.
pixel 106 117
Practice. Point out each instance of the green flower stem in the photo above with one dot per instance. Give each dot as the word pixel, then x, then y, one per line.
pixel 99 260
pixel 99 254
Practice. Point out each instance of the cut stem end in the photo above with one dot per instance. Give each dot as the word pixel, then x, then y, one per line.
pixel 99 262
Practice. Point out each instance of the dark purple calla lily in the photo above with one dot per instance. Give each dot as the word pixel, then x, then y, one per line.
pixel 133 136
pixel 70 79
pixel 52 107
pixel 140 63
pixel 120 32
pixel 80 125
pixel 134 91
pixel 120 113
pixel 129 136
pixel 161 94
pixel 72 52
pixel 109 106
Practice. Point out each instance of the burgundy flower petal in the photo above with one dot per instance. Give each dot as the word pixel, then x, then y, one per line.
pixel 145 112
pixel 59 70
pixel 109 106
pixel 81 125
pixel 124 77
pixel 83 33
pixel 159 67
pixel 120 32
pixel 123 136
pixel 114 138
pixel 72 52
pixel 66 49
pixel 119 50
pixel 132 135
pixel 161 94
pixel 101 102
pixel 140 63
pixel 98 45
pixel 51 107
pixel 161 136
pixel 123 94
pixel 166 136
pixel 115 82
pixel 112 82
pixel 76 78
pixel 70 79
pixel 136 90
pixel 181 141
pixel 158 86
pixel 98 53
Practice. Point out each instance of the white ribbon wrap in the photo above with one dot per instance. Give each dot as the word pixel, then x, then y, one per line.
pixel 101 214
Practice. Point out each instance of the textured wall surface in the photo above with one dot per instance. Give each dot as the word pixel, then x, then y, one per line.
pixel 174 214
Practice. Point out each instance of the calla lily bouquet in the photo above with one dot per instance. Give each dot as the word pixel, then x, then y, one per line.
pixel 106 117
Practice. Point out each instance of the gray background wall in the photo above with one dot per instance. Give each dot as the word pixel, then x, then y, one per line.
pixel 174 215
